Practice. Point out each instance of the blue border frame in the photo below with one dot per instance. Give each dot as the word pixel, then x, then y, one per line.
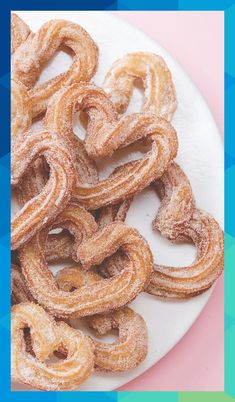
pixel 228 6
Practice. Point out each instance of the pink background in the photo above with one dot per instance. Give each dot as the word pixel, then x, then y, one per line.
pixel 195 40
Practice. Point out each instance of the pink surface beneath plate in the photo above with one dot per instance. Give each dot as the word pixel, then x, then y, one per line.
pixel 196 41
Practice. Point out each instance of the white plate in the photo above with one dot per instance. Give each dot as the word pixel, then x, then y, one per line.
pixel 200 155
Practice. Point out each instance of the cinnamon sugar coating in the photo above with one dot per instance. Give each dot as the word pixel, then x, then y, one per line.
pixel 19 32
pixel 44 207
pixel 57 183
pixel 177 201
pixel 19 290
pixel 179 220
pixel 108 294
pixel 29 59
pixel 105 134
pixel 159 91
pixel 47 336
pixel 131 346
pixel 21 116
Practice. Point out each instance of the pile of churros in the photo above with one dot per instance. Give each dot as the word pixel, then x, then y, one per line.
pixel 56 183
